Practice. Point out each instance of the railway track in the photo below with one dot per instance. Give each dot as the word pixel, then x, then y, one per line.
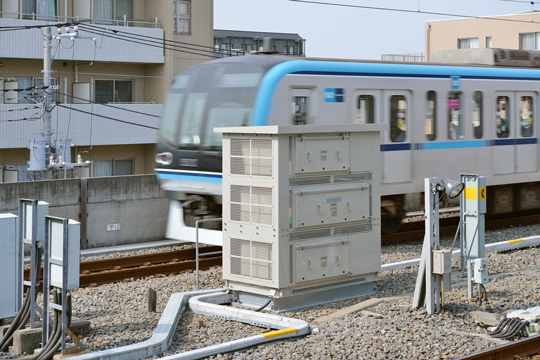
pixel 98 272
pixel 524 349
pixel 414 231
pixel 94 273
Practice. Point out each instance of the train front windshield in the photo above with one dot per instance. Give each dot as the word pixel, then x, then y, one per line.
pixel 202 98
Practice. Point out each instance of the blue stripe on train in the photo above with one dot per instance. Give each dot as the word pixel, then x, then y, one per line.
pixel 457 144
pixel 187 176
pixel 271 79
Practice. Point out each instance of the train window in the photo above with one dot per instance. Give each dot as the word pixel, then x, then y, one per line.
pixel 477 115
pixel 526 116
pixel 365 109
pixel 173 105
pixel 503 117
pixel 455 130
pixel 300 110
pixel 398 118
pixel 431 115
pixel 192 116
pixel 231 102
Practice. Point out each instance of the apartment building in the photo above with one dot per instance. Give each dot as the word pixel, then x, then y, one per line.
pixel 110 80
pixel 236 42
pixel 514 31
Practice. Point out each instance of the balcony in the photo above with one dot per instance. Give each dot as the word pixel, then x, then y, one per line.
pixel 113 43
pixel 85 124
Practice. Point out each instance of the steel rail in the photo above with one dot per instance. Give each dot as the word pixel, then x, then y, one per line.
pixel 144 271
pixel 414 231
pixel 139 260
pixel 516 349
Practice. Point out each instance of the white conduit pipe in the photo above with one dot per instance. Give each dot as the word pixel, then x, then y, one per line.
pixel 208 304
pixel 204 302
pixel 161 338
pixel 500 246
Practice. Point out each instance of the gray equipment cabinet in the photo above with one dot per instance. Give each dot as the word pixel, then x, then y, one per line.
pixel 301 213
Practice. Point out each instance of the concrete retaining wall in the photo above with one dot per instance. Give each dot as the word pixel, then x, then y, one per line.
pixel 112 210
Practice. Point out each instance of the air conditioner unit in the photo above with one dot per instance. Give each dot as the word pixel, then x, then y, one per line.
pixel 81 93
pixel 11 97
pixel 10 167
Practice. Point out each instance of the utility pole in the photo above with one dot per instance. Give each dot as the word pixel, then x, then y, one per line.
pixel 47 69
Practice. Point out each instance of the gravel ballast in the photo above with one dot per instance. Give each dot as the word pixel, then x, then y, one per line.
pixel 389 330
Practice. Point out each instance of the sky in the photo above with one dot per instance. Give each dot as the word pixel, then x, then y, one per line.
pixel 351 32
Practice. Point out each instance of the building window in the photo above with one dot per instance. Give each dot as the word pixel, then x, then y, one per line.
pixel 431 115
pixel 398 118
pixel 526 116
pixel 113 91
pixel 182 17
pixel 455 131
pixel 300 110
pixel 470 43
pixel 488 42
pixel 112 12
pixel 39 9
pixel 365 109
pixel 529 41
pixel 113 167
pixel 246 47
pixel 502 118
pixel 477 115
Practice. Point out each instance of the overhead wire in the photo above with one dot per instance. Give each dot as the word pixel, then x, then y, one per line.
pixel 137 40
pixel 109 118
pixel 108 105
pixel 412 11
pixel 124 75
pixel 150 37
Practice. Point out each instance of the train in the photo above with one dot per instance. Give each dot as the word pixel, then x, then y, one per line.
pixel 445 119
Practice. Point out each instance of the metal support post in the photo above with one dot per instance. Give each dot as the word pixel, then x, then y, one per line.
pixel 428 285
pixel 57 254
pixel 473 210
pixel 197 246
pixel 28 234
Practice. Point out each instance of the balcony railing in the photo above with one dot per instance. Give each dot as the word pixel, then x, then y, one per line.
pixel 123 21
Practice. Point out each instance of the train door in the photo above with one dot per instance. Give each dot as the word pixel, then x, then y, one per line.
pixel 526 144
pixel 503 149
pixel 515 143
pixel 396 144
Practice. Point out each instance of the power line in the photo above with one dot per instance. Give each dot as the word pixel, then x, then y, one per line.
pixel 411 11
pixel 126 75
pixel 25 27
pixel 109 118
pixel 150 37
pixel 107 105
pixel 119 37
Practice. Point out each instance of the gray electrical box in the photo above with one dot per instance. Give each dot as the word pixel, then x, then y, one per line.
pixel 9 265
pixel 301 213
pixel 64 252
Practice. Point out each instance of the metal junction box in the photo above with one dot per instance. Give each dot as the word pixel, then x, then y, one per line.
pixel 301 213
pixel 9 264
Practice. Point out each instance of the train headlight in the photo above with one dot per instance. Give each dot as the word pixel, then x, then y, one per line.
pixel 452 188
pixel 165 158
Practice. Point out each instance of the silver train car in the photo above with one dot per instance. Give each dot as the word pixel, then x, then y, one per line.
pixel 443 119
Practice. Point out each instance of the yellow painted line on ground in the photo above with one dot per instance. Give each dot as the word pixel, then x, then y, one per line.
pixel 278 332
pixel 515 241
